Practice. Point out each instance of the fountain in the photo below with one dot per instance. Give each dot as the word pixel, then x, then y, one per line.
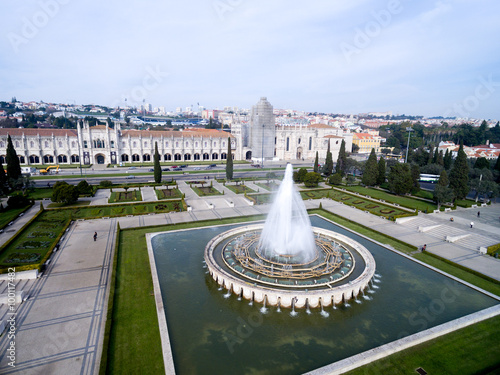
pixel 286 262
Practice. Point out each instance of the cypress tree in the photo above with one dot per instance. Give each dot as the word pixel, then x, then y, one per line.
pixel 328 168
pixel 435 157
pixel 440 158
pixel 497 168
pixel 157 167
pixel 459 175
pixel 447 160
pixel 341 160
pixel 13 166
pixel 229 163
pixel 442 193
pixel 316 161
pixel 431 155
pixel 381 171
pixel 370 172
pixel 3 179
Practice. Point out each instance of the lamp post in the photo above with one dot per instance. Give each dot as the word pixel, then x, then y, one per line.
pixel 409 130
pixel 263 146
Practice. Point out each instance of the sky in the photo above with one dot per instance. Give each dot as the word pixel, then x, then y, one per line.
pixel 430 58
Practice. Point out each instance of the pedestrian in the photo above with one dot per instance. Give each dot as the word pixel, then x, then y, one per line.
pixel 471 224
pixel 424 247
pixel 95 236
pixel 478 214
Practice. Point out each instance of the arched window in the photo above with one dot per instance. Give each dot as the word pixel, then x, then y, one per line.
pixel 46 144
pixel 59 144
pixel 196 156
pixel 298 141
pixel 187 156
pixel 187 144
pixel 215 156
pixel 145 144
pixel 34 159
pixel 2 159
pixel 166 144
pixel 177 157
pixel 205 144
pixel 223 156
pixel 176 144
pixel 223 144
pixel 2 144
pixel 136 157
pixel 75 159
pixel 62 159
pixel 146 157
pixel 167 157
pixel 48 159
pixel 206 156
pixel 17 143
pixel 134 144
pixel 32 144
pixel 124 157
pixel 21 159
pixel 73 144
pixel 196 144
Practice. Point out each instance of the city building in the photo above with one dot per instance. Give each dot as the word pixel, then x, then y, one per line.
pixel 367 141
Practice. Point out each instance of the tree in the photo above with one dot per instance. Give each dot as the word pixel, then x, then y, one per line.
pixel 442 193
pixel 311 179
pixel 64 193
pixel 381 171
pixel 335 179
pixel 496 168
pixel 399 178
pixel 482 163
pixel 355 148
pixel 13 166
pixel 459 175
pixel 84 188
pixel 370 172
pixel 415 176
pixel 157 167
pixel 316 161
pixel 440 158
pixel 341 166
pixel 431 155
pixel 298 176
pixel 328 167
pixel 229 162
pixel 447 160
pixel 3 179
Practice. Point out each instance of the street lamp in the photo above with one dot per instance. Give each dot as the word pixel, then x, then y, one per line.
pixel 409 130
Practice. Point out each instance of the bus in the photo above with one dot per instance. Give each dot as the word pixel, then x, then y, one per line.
pixel 432 178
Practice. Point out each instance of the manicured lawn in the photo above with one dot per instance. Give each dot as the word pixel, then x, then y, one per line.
pixel 271 186
pixel 356 201
pixel 74 204
pixel 125 196
pixel 40 193
pixel 260 198
pixel 205 191
pixel 240 189
pixel 425 194
pixel 388 197
pixel 31 246
pixel 10 214
pixel 470 350
pixel 168 193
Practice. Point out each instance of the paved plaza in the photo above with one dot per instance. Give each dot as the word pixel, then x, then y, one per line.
pixel 60 325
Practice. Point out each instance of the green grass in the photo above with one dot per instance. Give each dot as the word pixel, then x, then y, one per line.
pixel 74 204
pixel 168 193
pixel 424 194
pixel 134 341
pixel 205 191
pixel 470 350
pixel 272 186
pixel 40 193
pixel 10 214
pixel 125 196
pixel 465 203
pixel 240 189
pixel 364 204
pixel 391 198
pixel 260 198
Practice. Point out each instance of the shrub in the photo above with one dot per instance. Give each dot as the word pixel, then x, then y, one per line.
pixel 17 201
pixel 106 183
pixel 335 179
pixel 84 188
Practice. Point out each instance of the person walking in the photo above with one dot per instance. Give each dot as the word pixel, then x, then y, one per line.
pixel 471 224
pixel 478 214
pixel 95 236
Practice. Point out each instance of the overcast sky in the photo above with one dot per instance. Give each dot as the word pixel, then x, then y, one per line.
pixel 431 58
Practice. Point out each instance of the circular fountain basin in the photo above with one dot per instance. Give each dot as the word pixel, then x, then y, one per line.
pixel 340 270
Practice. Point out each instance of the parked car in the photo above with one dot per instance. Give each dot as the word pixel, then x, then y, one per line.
pixel 128 177
pixel 212 165
pixel 183 166
pixel 166 169
pixel 177 169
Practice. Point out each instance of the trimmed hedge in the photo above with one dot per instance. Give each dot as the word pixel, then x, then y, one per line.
pixel 493 249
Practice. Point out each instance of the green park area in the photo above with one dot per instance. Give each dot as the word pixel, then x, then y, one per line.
pixel 240 188
pixel 269 186
pixel 205 191
pixel 168 193
pixel 125 196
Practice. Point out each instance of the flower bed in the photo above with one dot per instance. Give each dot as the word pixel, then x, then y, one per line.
pixel 23 258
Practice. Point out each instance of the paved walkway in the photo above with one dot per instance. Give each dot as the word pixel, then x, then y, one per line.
pixel 60 326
